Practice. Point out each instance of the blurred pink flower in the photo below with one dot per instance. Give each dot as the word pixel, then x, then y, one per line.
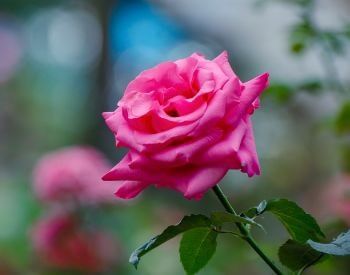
pixel 60 242
pixel 186 124
pixel 73 173
pixel 335 197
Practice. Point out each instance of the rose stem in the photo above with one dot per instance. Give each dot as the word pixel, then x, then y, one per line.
pixel 247 236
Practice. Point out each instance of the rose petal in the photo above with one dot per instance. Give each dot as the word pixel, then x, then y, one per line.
pixel 166 75
pixel 113 119
pixel 190 180
pixel 186 68
pixel 247 152
pixel 222 102
pixel 202 180
pixel 162 122
pixel 130 189
pixel 225 151
pixel 222 61
pixel 154 142
pixel 208 70
pixel 183 153
pixel 252 90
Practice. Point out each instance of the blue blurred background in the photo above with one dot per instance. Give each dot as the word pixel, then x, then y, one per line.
pixel 64 62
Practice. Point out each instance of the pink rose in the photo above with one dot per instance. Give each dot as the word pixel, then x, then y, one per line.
pixel 186 124
pixel 60 242
pixel 73 173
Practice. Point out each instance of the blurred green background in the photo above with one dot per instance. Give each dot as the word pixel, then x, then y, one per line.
pixel 62 63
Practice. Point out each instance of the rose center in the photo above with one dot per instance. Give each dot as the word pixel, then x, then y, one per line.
pixel 172 112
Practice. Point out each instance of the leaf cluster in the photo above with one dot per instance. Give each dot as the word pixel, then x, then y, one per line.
pixel 305 247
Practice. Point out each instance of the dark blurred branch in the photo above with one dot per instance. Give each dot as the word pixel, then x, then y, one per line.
pixel 330 67
pixel 99 95
pixel 327 51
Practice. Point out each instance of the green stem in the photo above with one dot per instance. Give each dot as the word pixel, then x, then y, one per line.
pixel 224 201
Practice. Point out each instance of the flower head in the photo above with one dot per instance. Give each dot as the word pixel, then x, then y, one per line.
pixel 185 123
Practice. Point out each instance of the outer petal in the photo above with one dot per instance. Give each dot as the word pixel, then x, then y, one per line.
pixel 202 180
pixel 225 151
pixel 247 152
pixel 130 189
pixel 113 119
pixel 125 136
pixel 181 154
pixel 139 84
pixel 166 75
pixel 252 90
pixel 190 180
pixel 254 87
pixel 122 171
pixel 222 61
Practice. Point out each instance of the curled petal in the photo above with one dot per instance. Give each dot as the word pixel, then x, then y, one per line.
pixel 113 120
pixel 253 88
pixel 251 91
pixel 247 153
pixel 225 151
pixel 162 122
pixel 222 61
pixel 186 68
pixel 139 84
pixel 192 181
pixel 166 75
pixel 154 142
pixel 208 70
pixel 221 103
pixel 130 189
pixel 183 153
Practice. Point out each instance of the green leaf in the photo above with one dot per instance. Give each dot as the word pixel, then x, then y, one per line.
pixel 297 256
pixel 280 92
pixel 340 246
pixel 187 223
pixel 342 122
pixel 345 157
pixel 196 248
pixel 312 86
pixel 300 225
pixel 301 36
pixel 297 47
